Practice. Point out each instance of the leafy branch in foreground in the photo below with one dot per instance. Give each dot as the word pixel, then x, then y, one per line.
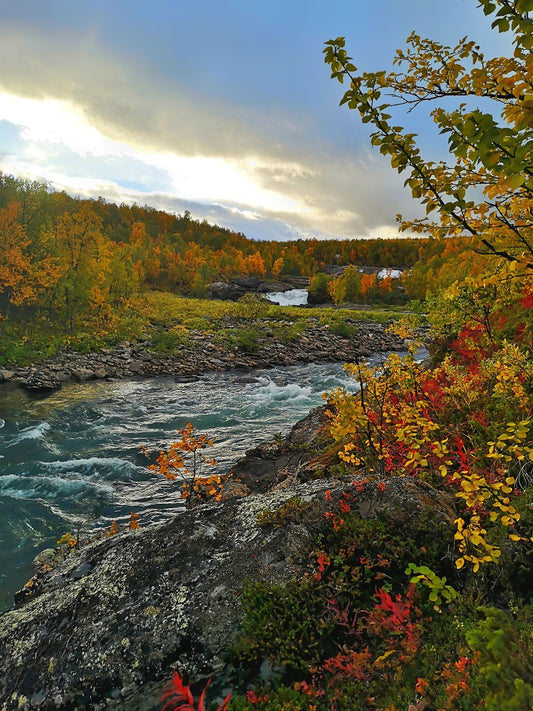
pixel 488 154
pixel 184 459
pixel 469 420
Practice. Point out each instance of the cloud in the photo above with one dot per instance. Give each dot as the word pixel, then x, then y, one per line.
pixel 144 137
pixel 119 97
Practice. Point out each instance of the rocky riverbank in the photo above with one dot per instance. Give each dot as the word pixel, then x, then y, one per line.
pixel 204 352
pixel 103 627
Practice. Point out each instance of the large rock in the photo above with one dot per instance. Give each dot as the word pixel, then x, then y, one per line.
pixel 41 381
pixel 103 628
pixel 225 290
pixel 237 287
pixel 126 610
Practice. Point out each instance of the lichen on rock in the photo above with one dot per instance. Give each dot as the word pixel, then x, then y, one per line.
pixel 108 623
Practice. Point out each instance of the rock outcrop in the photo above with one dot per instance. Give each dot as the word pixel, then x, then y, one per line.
pixel 103 628
pixel 234 289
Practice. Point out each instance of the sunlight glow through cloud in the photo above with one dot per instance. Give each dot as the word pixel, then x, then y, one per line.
pixel 54 121
pixel 226 110
pixel 201 178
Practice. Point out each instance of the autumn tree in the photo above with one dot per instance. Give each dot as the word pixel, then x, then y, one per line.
pixel 337 291
pixel 24 276
pixel 255 264
pixel 77 243
pixel 368 286
pixel 318 287
pixel 482 194
pixel 489 153
pixel 184 459
pixel 14 262
pixel 33 199
pixel 352 283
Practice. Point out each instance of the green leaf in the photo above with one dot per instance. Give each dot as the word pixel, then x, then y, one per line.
pixel 516 180
pixel 524 5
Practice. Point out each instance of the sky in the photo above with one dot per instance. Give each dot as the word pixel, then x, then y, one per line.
pixel 224 108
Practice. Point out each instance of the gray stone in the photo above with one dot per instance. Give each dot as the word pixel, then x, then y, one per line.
pixel 83 374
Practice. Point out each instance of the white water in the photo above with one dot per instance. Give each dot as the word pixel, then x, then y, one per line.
pixel 73 458
pixel 393 273
pixel 293 297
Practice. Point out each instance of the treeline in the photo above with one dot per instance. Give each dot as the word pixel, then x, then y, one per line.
pixel 76 262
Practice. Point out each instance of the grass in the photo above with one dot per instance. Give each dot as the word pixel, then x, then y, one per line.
pixel 166 319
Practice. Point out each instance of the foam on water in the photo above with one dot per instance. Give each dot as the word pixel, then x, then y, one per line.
pixel 269 393
pixel 54 487
pixel 293 297
pixel 73 458
pixel 393 273
pixel 30 433
pixel 94 467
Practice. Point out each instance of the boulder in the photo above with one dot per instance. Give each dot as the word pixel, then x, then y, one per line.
pixel 41 381
pixel 104 627
pixel 250 283
pixel 225 290
pixel 274 286
pixel 81 374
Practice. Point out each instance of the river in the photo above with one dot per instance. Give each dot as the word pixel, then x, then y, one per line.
pixel 72 458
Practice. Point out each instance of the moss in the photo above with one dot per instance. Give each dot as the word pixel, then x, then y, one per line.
pixel 291 510
pixel 282 623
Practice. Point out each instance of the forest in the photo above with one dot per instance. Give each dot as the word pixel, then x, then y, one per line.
pixel 70 267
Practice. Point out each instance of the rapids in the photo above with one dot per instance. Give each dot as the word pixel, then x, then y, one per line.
pixel 72 459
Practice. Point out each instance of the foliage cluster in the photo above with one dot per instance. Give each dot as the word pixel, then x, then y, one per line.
pixel 418 616
pixel 165 323
pixel 383 620
pixel 184 459
pixel 356 286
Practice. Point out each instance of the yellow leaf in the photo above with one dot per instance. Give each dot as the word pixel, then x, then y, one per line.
pixel 384 656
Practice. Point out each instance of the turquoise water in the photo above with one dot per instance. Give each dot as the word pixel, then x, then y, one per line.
pixel 72 458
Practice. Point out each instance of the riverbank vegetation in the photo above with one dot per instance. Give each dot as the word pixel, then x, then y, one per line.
pixel 169 322
pixel 420 606
pixel 398 612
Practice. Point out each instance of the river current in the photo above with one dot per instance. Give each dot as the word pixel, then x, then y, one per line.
pixel 73 458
